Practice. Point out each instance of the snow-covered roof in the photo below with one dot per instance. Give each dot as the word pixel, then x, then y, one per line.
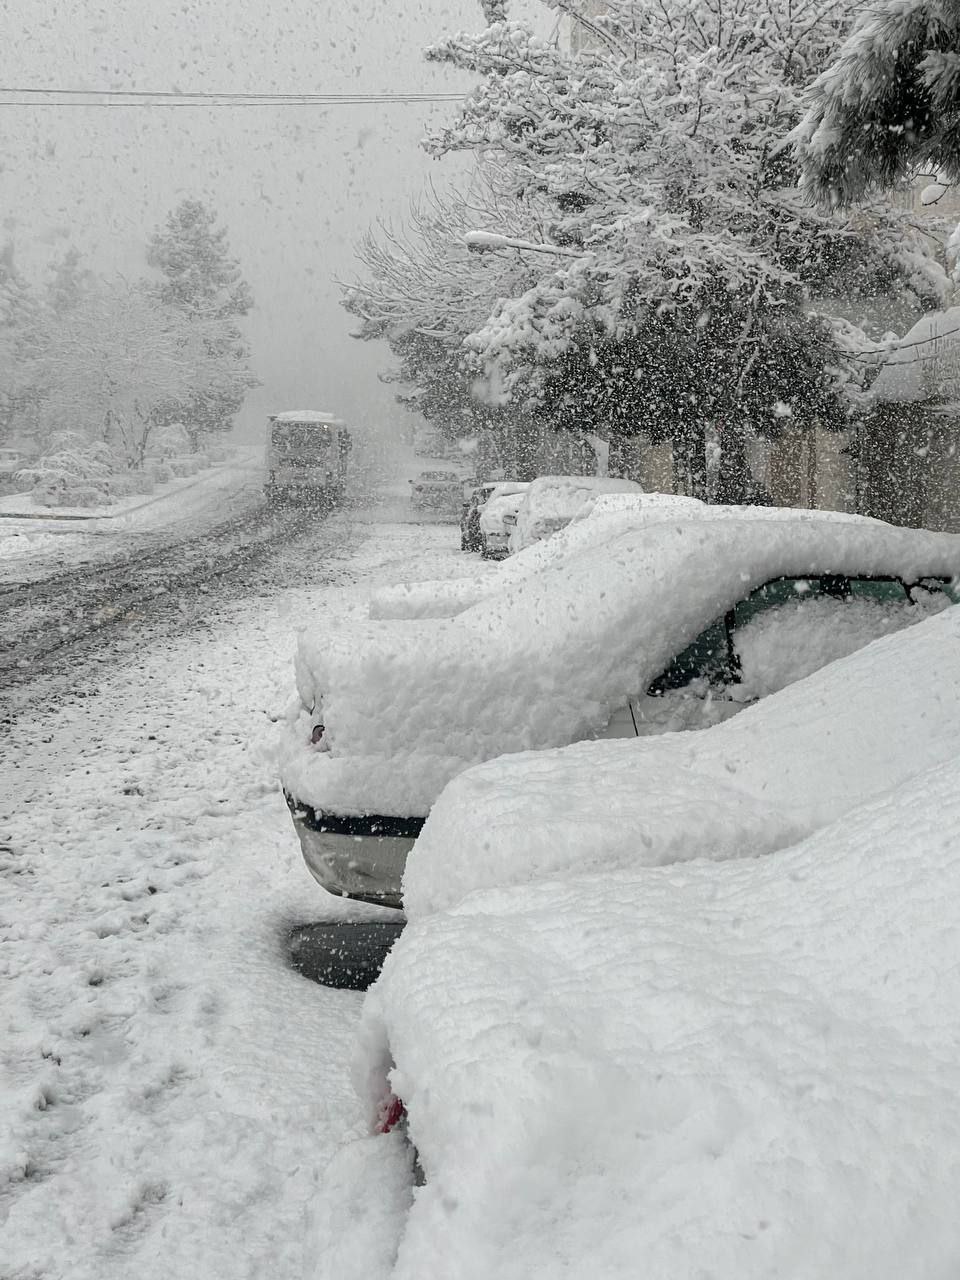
pixel 546 660
pixel 743 1069
pixel 925 363
pixel 307 415
pixel 795 761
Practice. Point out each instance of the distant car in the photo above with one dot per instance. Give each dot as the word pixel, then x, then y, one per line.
pixel 437 490
pixel 552 502
pixel 497 519
pixel 671 626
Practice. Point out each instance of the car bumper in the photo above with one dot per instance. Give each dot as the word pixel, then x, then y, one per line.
pixel 356 857
pixel 496 546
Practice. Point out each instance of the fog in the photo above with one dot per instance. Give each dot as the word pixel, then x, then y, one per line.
pixel 294 185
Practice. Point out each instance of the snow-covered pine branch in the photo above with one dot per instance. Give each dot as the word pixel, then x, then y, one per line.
pixel 888 105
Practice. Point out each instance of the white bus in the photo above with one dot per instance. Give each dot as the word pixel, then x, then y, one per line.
pixel 307 455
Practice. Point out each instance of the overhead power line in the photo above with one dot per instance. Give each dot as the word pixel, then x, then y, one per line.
pixel 18 96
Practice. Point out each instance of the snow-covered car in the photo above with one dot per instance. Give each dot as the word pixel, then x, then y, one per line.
pixel 497 518
pixel 437 490
pixel 599 520
pixel 680 624
pixel 553 501
pixel 743 1069
pixel 470 529
pixel 793 762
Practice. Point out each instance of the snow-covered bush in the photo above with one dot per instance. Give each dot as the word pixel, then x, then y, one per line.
pixel 73 472
pixel 169 441
pixel 159 472
pixel 183 467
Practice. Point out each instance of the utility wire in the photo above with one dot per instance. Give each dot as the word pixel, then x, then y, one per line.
pixel 18 96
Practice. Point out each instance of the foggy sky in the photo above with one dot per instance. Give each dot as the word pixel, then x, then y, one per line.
pixel 295 186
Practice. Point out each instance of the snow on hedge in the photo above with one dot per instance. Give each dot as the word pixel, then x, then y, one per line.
pixel 748 1069
pixel 796 760
pixel 548 659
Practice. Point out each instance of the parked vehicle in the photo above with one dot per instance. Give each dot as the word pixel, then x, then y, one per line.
pixel 307 455
pixel 651 1054
pixel 552 502
pixel 497 519
pixel 672 626
pixel 471 532
pixel 437 491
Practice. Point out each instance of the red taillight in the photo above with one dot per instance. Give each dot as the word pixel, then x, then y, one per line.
pixel 389 1114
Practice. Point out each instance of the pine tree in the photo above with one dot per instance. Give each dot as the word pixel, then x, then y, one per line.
pixel 202 280
pixel 888 104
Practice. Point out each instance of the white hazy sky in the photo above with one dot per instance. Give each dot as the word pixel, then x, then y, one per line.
pixel 295 186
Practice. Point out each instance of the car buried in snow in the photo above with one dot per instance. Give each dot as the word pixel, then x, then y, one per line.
pixel 670 626
pixel 472 536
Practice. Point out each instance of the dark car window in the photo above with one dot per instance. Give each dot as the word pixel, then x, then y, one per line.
pixel 708 657
pixel 887 590
pixel 772 594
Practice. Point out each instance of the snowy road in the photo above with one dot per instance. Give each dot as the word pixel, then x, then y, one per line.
pixel 171 1091
pixel 110 599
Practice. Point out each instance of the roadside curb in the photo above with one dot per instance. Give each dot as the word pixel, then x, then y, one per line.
pixel 148 501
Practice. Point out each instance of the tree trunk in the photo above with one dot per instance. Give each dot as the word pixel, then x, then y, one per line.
pixel 690 460
pixel 733 484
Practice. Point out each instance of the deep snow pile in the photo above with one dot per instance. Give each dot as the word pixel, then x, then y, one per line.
pixel 737 1070
pixel 797 760
pixel 548 659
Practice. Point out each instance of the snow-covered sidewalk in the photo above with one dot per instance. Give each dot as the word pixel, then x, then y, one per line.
pixel 171 1090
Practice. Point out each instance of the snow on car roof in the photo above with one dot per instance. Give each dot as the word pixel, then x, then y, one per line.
pixel 548 659
pixel 444 598
pixel 691 1070
pixel 798 759
pixel 307 416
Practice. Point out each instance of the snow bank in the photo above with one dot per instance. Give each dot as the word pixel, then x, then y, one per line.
pixel 741 1070
pixel 553 501
pixel 778 770
pixel 546 660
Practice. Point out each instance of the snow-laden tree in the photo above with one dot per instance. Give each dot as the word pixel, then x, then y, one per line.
pixel 121 361
pixel 201 280
pixel 674 209
pixel 20 348
pixel 889 103
pixel 425 291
